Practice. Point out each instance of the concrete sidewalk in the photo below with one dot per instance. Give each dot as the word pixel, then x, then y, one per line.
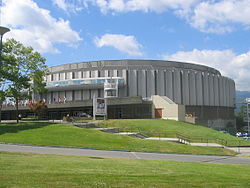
pixel 125 154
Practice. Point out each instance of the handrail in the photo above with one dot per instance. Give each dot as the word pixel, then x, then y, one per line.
pixel 186 138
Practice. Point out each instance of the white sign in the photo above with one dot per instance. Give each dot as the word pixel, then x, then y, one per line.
pixel 100 106
pixel 248 100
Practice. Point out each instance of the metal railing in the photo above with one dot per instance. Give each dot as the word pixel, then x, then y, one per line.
pixel 185 138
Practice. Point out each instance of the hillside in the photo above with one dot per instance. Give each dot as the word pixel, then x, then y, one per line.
pixel 169 128
pixel 71 136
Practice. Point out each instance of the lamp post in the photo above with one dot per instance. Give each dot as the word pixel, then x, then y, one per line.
pixel 248 112
pixel 3 30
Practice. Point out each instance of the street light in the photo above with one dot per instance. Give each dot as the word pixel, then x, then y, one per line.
pixel 248 126
pixel 3 30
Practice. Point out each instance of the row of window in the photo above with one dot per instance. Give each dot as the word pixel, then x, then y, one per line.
pixel 84 74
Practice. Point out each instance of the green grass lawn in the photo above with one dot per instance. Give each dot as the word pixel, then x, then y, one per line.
pixel 68 135
pixel 197 132
pixel 40 170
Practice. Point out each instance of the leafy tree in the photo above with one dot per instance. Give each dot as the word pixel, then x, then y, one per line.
pixel 23 70
pixel 240 118
pixel 39 107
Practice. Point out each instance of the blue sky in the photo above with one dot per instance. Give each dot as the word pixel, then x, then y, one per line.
pixel 209 32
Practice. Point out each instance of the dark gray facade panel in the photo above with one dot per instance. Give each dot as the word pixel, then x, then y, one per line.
pixel 141 83
pixel 185 87
pixel 132 83
pixel 169 84
pixel 199 88
pixel 150 83
pixel 192 88
pixel 184 83
pixel 177 87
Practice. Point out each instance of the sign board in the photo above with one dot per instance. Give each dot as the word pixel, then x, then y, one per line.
pixel 100 106
pixel 248 100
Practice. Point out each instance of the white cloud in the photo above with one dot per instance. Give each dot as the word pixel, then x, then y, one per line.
pixel 219 16
pixel 35 26
pixel 71 6
pixel 123 43
pixel 227 62
pixel 210 16
pixel 139 5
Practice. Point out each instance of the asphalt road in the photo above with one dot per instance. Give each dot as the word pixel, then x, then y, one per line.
pixel 125 154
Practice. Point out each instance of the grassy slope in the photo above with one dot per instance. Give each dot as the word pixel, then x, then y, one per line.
pixel 170 126
pixel 33 170
pixel 69 135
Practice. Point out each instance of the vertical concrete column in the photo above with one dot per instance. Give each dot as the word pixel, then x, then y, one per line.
pixel 169 84
pixel 211 90
pixel 79 74
pixel 227 91
pixel 124 89
pixel 132 83
pixel 69 95
pixel 199 92
pixel 216 91
pixel 150 83
pixel 206 88
pixel 224 91
pixel 62 94
pixel 78 95
pixel 141 83
pixel 57 76
pixel 69 75
pixel 94 74
pixel 86 74
pixel 221 91
pixel 232 93
pixel 49 78
pixel 55 96
pixel 94 92
pixel 177 87
pixel 85 94
pixel 106 73
pixel 102 93
pixel 185 87
pixel 49 97
pixel 62 76
pixel 192 88
pixel 115 73
pixel 160 83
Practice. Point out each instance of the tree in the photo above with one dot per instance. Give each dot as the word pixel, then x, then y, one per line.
pixel 240 118
pixel 23 70
pixel 39 107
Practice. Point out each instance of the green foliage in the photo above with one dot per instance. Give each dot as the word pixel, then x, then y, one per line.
pixel 68 135
pixel 41 170
pixel 22 67
pixel 240 118
pixel 39 107
pixel 152 127
pixel 22 71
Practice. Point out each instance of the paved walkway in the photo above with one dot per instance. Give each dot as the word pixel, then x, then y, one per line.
pixel 125 154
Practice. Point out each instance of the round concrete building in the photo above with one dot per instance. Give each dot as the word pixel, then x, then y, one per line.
pixel 207 96
pixel 145 89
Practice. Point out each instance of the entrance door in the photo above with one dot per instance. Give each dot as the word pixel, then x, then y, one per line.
pixel 158 113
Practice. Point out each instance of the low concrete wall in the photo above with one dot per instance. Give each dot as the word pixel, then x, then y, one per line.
pixel 169 111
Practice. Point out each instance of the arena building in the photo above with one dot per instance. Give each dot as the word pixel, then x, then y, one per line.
pixel 146 89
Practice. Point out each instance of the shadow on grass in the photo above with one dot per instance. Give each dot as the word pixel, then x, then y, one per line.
pixel 17 127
